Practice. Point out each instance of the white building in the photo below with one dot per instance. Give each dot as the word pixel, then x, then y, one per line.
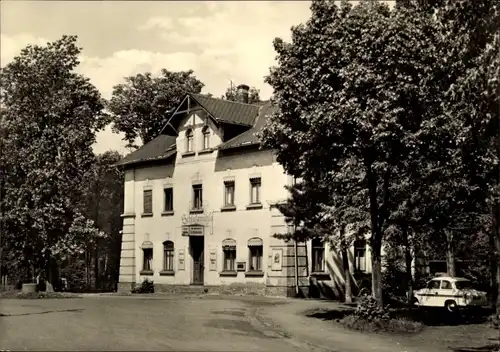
pixel 199 207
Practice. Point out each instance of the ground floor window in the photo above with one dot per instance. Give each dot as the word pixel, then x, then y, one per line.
pixel 360 255
pixel 168 256
pixel 229 251
pixel 147 264
pixel 318 255
pixel 255 247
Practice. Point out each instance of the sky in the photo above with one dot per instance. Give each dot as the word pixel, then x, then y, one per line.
pixel 218 40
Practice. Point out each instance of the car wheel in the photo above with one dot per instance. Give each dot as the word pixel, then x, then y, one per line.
pixel 451 306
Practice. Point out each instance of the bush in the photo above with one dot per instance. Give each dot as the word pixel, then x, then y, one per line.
pixel 368 309
pixel 147 286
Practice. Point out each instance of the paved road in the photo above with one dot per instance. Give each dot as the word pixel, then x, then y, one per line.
pixel 181 323
pixel 123 323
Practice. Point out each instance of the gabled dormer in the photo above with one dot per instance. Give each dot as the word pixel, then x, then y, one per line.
pixel 202 123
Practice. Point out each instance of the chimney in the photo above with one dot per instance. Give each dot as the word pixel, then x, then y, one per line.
pixel 242 93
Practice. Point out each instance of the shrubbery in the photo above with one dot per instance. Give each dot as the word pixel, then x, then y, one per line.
pixel 147 286
pixel 369 316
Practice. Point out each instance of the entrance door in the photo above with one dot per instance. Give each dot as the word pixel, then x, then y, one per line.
pixel 197 246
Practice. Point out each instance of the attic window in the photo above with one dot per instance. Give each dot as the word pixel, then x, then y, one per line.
pixel 189 140
pixel 206 137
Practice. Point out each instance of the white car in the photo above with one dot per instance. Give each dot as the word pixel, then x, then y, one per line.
pixel 450 292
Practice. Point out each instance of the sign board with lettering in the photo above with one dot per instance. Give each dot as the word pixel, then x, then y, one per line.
pixel 195 219
pixel 181 259
pixel 193 231
pixel 213 259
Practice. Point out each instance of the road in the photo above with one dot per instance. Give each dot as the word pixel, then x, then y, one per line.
pixel 180 323
pixel 139 324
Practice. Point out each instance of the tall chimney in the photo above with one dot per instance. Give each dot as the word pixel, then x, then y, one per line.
pixel 242 93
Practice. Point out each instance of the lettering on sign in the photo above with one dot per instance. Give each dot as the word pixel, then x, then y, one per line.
pixel 193 231
pixel 192 219
pixel 181 259
pixel 213 259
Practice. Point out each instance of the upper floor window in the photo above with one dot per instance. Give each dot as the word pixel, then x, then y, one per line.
pixel 360 255
pixel 189 140
pixel 228 193
pixel 206 137
pixel 197 196
pixel 255 184
pixel 169 199
pixel 318 255
pixel 147 205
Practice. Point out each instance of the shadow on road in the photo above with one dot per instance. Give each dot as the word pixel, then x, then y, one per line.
pixel 44 312
pixel 488 348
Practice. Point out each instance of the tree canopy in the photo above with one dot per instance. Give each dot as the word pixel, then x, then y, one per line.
pixel 49 120
pixel 139 106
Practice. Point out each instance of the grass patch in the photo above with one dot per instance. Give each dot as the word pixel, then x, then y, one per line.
pixel 391 325
pixel 36 295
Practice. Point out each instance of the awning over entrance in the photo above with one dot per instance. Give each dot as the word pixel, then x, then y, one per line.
pixel 147 245
pixel 255 242
pixel 229 244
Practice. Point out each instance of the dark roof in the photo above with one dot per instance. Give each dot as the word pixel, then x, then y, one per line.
pixel 228 111
pixel 162 147
pixel 249 137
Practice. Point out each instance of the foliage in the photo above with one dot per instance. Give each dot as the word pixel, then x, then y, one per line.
pixel 367 308
pixel 232 94
pixel 49 121
pixel 350 98
pixel 139 106
pixel 398 325
pixel 147 286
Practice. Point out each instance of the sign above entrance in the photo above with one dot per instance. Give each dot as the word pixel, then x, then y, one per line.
pixel 192 219
pixel 193 231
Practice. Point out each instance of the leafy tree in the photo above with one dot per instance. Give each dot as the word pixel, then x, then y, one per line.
pixel 232 94
pixel 350 85
pixel 103 203
pixel 50 118
pixel 140 105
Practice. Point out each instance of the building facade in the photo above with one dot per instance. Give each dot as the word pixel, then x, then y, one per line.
pixel 200 207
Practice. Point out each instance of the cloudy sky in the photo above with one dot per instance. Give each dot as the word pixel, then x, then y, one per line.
pixel 218 40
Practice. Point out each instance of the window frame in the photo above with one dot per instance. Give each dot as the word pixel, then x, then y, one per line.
pixel 165 207
pixel 147 261
pixel 257 183
pixel 168 256
pixel 195 188
pixel 146 192
pixel 318 246
pixel 229 185
pixel 360 247
pixel 189 140
pixel 205 132
pixel 259 250
pixel 226 258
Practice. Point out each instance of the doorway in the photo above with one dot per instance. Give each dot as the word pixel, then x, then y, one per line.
pixel 197 244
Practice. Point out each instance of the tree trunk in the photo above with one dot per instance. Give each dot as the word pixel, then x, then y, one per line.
pixel 450 254
pixel 408 260
pixel 376 237
pixel 493 263
pixel 377 277
pixel 345 264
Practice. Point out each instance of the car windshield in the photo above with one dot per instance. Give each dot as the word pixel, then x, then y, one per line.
pixel 463 285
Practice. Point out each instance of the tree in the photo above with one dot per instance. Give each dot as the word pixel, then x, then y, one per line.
pixel 50 118
pixel 232 94
pixel 350 85
pixel 139 106
pixel 103 203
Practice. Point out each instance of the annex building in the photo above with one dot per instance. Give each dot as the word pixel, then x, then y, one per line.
pixel 199 207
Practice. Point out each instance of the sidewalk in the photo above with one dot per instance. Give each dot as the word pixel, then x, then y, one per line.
pixel 289 320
